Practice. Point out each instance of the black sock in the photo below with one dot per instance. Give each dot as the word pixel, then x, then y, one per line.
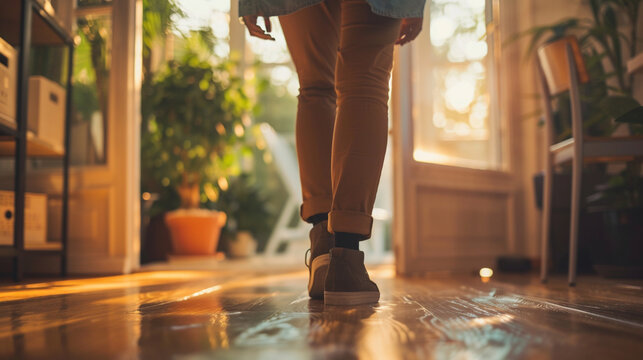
pixel 347 240
pixel 317 218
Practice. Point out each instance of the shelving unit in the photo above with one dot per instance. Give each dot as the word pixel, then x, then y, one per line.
pixel 24 23
pixel 36 147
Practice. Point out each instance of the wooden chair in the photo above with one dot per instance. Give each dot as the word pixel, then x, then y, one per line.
pixel 286 162
pixel 561 68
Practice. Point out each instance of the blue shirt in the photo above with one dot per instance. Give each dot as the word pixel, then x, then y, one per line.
pixel 390 8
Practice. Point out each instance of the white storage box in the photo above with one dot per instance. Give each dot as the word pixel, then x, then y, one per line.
pixel 46 114
pixel 8 76
pixel 35 218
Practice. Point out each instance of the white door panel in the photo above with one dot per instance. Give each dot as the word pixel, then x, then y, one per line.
pixel 454 199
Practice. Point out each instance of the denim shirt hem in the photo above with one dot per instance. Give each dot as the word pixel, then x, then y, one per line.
pixel 398 15
pixel 265 8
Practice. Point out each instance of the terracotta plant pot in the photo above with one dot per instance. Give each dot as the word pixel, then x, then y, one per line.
pixel 195 231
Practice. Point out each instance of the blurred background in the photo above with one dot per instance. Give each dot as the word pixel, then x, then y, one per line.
pixel 159 132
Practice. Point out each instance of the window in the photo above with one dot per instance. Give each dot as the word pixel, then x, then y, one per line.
pixel 203 14
pixel 92 59
pixel 455 93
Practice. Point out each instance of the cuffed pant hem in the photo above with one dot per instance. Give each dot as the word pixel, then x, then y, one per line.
pixel 350 222
pixel 314 206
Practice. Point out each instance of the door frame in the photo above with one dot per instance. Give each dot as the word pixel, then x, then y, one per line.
pixel 410 176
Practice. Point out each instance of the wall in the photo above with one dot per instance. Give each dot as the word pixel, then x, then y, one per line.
pixel 519 104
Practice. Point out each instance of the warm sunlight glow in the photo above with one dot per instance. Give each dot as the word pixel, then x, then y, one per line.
pixel 65 287
pixel 442 29
pixel 281 74
pixel 220 128
pixel 223 183
pixel 439 119
pixel 427 156
pixel 490 320
pixel 478 114
pixel 430 157
pixel 238 130
pixel 261 143
pixel 455 100
pixel 486 272
pixel 267 157
pixel 210 192
pixel 460 91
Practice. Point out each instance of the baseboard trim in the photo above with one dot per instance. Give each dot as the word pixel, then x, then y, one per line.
pixel 97 264
pixel 461 264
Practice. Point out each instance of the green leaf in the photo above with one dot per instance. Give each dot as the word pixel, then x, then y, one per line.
pixel 609 18
pixel 594 5
pixel 634 116
pixel 617 106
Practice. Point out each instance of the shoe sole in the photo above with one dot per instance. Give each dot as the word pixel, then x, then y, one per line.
pixel 351 297
pixel 318 271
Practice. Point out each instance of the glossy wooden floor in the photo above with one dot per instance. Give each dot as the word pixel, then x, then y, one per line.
pixel 232 314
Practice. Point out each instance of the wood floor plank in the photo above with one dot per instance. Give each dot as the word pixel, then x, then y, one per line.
pixel 255 314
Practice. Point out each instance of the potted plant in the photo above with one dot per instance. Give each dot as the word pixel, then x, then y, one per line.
pixel 194 121
pixel 619 202
pixel 249 216
pixel 607 95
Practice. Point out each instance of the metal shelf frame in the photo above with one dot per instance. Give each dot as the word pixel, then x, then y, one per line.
pixel 30 11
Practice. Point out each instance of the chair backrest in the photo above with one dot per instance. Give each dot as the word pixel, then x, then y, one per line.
pixel 555 64
pixel 285 158
pixel 561 67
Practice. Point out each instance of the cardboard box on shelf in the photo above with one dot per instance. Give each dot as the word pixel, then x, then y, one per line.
pixel 8 76
pixel 46 115
pixel 35 218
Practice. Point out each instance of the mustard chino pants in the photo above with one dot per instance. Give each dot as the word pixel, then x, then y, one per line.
pixel 343 54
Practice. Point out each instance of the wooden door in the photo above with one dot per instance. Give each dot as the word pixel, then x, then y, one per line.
pixel 453 194
pixel 104 225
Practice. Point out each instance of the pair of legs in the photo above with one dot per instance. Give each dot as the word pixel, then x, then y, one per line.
pixel 343 54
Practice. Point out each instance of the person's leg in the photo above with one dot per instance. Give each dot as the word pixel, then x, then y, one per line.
pixel 365 59
pixel 312 35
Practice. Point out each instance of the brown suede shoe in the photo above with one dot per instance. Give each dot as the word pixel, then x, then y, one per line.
pixel 347 282
pixel 321 241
